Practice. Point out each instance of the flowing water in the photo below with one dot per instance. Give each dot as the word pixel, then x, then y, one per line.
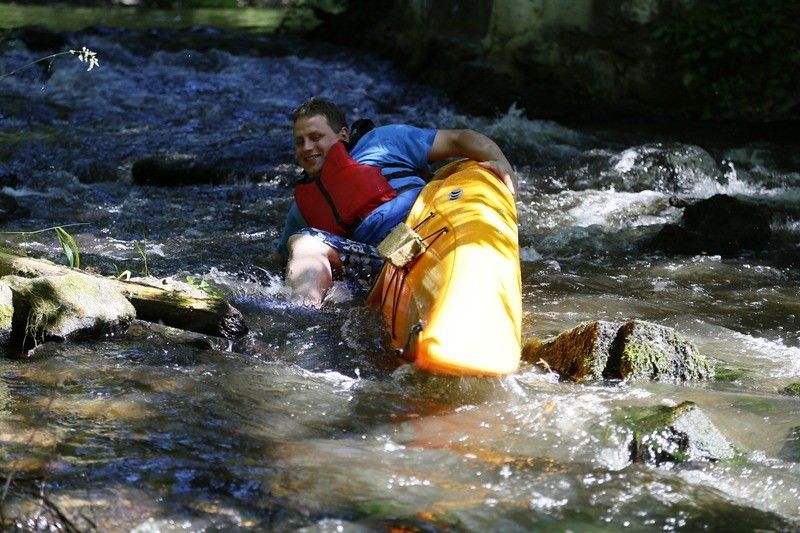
pixel 311 423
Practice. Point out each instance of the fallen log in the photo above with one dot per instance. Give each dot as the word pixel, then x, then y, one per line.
pixel 172 303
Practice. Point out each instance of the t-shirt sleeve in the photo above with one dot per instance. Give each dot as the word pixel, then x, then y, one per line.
pixel 294 223
pixel 398 145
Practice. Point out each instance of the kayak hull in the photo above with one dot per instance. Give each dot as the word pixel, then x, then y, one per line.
pixel 457 307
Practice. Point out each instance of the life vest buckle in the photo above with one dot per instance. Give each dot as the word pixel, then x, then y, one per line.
pixel 401 246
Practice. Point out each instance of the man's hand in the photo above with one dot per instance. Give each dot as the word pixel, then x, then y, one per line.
pixel 504 171
pixel 476 146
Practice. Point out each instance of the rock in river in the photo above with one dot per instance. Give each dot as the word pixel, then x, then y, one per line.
pixel 65 307
pixel 663 434
pixel 718 225
pixel 611 350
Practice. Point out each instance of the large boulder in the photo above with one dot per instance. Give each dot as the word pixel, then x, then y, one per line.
pixel 632 350
pixel 720 225
pixel 664 434
pixel 64 308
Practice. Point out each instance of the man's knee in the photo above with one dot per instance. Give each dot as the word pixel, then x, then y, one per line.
pixel 312 248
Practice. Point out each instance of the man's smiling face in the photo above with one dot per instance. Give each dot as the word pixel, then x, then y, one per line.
pixel 313 137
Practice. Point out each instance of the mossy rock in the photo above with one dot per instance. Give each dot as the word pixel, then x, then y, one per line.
pixel 729 374
pixel 793 389
pixel 663 434
pixel 579 354
pixel 65 307
pixel 613 351
pixel 651 351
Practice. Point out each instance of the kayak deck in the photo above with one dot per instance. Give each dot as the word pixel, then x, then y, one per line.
pixel 456 308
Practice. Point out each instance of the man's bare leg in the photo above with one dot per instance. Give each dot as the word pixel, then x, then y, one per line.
pixel 309 272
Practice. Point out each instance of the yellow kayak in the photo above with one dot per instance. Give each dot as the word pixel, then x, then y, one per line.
pixel 456 307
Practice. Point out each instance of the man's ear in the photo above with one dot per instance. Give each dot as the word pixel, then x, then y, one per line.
pixel 344 134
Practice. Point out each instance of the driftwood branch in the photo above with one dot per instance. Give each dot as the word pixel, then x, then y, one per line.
pixel 192 310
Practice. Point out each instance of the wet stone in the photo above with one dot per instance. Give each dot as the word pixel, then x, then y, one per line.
pixel 665 167
pixel 40 39
pixel 651 351
pixel 612 351
pixel 793 389
pixel 791 447
pixel 140 329
pixel 580 354
pixel 663 434
pixel 65 308
pixel 10 209
pixel 718 225
pixel 728 374
pixel 174 169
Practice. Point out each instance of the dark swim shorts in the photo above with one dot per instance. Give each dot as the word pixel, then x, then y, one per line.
pixel 362 264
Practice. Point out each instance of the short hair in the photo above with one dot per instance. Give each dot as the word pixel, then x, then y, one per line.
pixel 319 106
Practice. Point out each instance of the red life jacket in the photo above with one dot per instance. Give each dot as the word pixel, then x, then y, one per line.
pixel 343 194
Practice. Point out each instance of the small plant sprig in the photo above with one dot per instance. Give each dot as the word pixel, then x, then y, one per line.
pixel 69 246
pixel 141 248
pixel 65 239
pixel 84 56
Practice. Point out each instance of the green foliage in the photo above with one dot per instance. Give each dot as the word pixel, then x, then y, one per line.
pixel 67 241
pixel 735 58
pixel 140 247
pixel 69 246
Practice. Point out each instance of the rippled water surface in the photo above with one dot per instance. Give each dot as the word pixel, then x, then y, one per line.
pixel 311 422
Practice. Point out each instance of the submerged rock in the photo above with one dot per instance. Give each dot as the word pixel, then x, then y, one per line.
pixel 729 374
pixel 10 209
pixel 64 308
pixel 792 389
pixel 611 350
pixel 718 225
pixel 664 167
pixel 174 169
pixel 40 38
pixel 791 447
pixel 677 434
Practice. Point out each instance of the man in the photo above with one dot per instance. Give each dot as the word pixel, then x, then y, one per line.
pixel 399 153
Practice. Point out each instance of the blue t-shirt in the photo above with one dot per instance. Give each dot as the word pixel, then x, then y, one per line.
pixel 394 148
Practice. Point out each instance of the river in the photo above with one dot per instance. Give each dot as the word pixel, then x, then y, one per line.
pixel 311 423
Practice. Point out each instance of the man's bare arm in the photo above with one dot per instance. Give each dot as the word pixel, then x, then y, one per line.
pixel 476 146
